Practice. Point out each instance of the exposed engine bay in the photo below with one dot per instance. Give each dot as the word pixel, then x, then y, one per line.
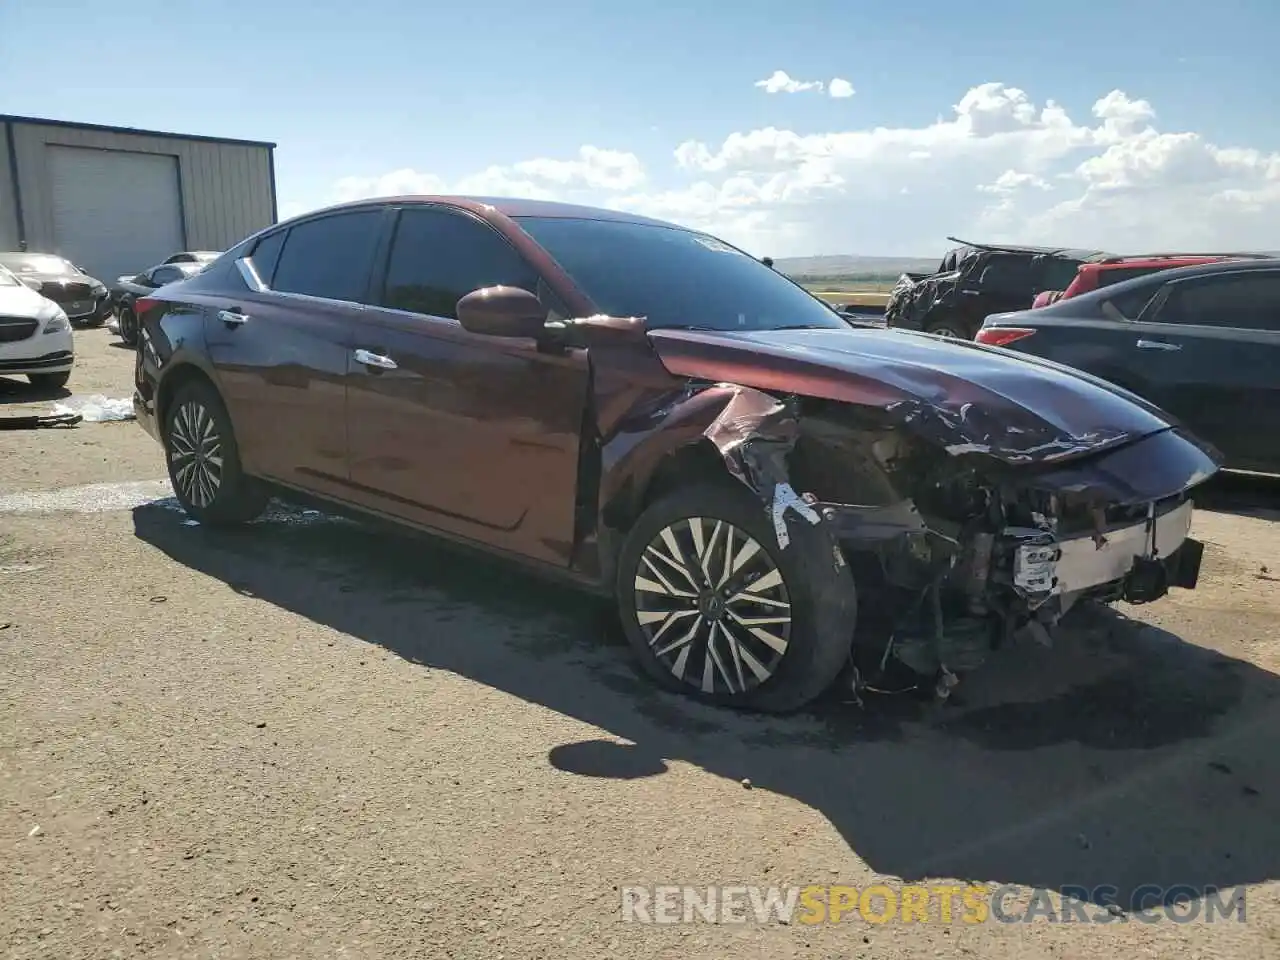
pixel 956 554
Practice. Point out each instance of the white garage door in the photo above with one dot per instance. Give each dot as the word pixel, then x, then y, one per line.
pixel 114 212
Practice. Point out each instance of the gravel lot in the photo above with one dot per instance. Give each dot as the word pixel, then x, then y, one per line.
pixel 315 739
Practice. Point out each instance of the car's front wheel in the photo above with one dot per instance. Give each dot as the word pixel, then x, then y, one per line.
pixel 204 461
pixel 128 325
pixel 714 608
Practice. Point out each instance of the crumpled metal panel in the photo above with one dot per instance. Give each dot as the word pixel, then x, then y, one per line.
pixel 754 433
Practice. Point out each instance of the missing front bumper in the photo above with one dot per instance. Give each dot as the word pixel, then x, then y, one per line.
pixel 1048 567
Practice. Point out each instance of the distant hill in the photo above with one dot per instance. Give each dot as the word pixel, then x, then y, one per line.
pixel 851 267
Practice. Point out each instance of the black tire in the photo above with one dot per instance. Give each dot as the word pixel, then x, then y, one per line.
pixel 818 595
pixel 953 329
pixel 49 381
pixel 197 435
pixel 128 326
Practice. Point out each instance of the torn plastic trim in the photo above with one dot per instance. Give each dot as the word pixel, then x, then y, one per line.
pixel 1045 566
pixel 875 524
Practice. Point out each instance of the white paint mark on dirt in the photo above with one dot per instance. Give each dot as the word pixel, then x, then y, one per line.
pixel 108 497
pixel 91 498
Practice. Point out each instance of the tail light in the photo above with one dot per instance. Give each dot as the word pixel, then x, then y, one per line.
pixel 143 305
pixel 1002 336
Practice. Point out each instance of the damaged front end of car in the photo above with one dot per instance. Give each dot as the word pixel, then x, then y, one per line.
pixel 961 544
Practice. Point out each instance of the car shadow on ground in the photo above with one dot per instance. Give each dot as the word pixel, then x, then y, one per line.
pixel 1243 494
pixel 1122 758
pixel 15 390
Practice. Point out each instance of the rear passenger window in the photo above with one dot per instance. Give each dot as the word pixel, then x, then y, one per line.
pixel 1248 301
pixel 329 257
pixel 438 257
pixel 1131 303
pixel 266 254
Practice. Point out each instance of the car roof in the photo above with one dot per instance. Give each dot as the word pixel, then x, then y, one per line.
pixel 1070 305
pixel 1071 253
pixel 1142 263
pixel 510 207
pixel 1208 269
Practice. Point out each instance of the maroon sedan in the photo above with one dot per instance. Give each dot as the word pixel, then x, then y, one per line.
pixel 772 493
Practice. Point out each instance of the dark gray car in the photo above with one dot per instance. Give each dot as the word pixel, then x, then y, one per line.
pixel 128 289
pixel 1201 342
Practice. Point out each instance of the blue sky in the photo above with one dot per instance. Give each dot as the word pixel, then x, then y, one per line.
pixel 358 90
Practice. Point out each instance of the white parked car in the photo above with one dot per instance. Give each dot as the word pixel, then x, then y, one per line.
pixel 35 335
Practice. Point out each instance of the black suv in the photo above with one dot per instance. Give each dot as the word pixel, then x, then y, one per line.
pixel 976 280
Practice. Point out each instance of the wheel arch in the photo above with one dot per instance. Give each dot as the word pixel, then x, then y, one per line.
pixel 176 377
pixel 676 450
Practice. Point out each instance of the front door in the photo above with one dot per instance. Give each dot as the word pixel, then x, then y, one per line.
pixel 476 436
pixel 281 353
pixel 1209 350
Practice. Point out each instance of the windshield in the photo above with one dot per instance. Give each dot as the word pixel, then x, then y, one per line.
pixel 36 263
pixel 674 277
pixel 7 279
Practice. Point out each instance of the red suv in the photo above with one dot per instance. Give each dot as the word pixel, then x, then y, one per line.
pixel 1092 276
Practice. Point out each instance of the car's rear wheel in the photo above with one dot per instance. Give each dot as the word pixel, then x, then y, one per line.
pixel 713 608
pixel 128 322
pixel 204 461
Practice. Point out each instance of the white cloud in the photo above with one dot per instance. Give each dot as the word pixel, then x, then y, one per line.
pixel 782 82
pixel 840 89
pixel 1000 167
pixel 1011 181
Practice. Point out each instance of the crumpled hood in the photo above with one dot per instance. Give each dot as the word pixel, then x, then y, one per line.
pixel 967 397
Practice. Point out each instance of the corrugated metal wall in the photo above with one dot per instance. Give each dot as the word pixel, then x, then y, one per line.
pixel 8 214
pixel 227 188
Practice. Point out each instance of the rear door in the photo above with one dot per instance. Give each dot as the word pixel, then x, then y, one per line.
pixel 280 347
pixel 476 436
pixel 1209 349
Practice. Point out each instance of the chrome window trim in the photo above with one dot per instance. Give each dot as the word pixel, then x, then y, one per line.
pixel 250 275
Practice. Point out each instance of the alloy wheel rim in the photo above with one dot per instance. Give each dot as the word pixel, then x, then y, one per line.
pixel 713 606
pixel 195 454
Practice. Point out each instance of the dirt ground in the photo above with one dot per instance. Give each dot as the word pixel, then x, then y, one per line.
pixel 315 739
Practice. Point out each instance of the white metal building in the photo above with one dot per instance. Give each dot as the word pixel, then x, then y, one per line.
pixel 115 200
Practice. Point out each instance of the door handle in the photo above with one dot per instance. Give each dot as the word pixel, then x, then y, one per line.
pixel 370 359
pixel 232 318
pixel 1158 345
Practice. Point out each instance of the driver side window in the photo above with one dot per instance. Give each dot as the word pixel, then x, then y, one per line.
pixel 438 257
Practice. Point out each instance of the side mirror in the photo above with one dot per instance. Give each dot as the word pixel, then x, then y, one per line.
pixel 502 312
